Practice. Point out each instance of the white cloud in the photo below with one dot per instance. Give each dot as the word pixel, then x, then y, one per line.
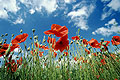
pixel 19 21
pixel 109 30
pixel 106 13
pixel 80 16
pixel 49 5
pixel 32 11
pixel 8 6
pixel 69 1
pixel 105 0
pixel 113 5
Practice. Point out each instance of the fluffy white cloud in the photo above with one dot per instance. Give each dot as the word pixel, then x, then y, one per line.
pixel 106 13
pixel 113 5
pixel 32 11
pixel 19 21
pixel 8 6
pixel 109 30
pixel 80 16
pixel 49 5
pixel 69 1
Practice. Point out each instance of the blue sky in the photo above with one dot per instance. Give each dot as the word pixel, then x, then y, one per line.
pixel 96 18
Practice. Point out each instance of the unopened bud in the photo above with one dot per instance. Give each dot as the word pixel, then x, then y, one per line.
pixel 33 30
pixel 12 35
pixel 28 49
pixel 31 38
pixel 71 42
pixel 2 35
pixel 6 34
pixel 35 37
pixel 21 31
pixel 102 39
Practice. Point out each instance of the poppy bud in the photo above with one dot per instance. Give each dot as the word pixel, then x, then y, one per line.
pixel 102 39
pixel 28 49
pixel 6 34
pixel 33 30
pixel 89 47
pixel 104 43
pixel 35 37
pixel 0 42
pixel 81 40
pixel 78 35
pixel 44 40
pixel 2 35
pixel 12 35
pixel 77 42
pixel 31 38
pixel 102 47
pixel 21 31
pixel 71 42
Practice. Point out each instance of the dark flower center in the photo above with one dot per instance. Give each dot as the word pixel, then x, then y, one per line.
pixel 61 42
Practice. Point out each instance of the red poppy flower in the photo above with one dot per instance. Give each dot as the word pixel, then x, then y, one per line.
pixel 81 58
pixel 94 43
pixel 20 38
pixel 115 79
pixel 66 53
pixel 62 43
pixel 33 52
pixel 88 52
pixel 97 76
pixel 85 42
pixel 75 38
pixel 19 61
pixel 84 61
pixel 58 30
pixel 94 54
pixel 44 47
pixel 115 40
pixel 4 47
pixel 55 54
pixel 41 54
pixel 14 46
pixel 75 58
pixel 11 65
pixel 103 61
pixel 113 56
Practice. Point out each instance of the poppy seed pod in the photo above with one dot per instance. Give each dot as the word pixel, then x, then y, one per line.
pixel 89 47
pixel 102 39
pixel 28 49
pixel 6 34
pixel 12 35
pixel 31 38
pixel 71 42
pixel 104 43
pixel 35 37
pixel 21 31
pixel 102 47
pixel 1 42
pixel 2 35
pixel 33 30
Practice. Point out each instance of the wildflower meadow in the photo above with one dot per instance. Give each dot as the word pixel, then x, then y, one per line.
pixel 59 57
